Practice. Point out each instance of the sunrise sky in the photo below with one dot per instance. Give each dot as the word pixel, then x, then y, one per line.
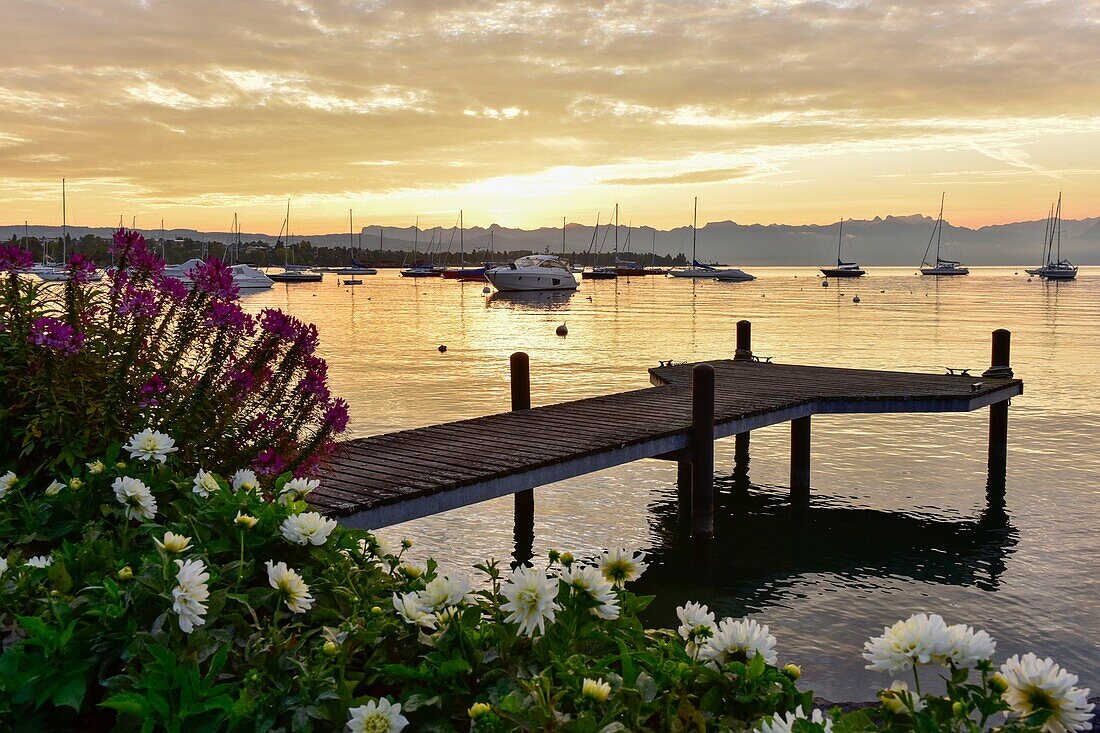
pixel 524 112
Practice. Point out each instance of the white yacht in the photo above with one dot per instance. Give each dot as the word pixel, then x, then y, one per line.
pixel 733 275
pixel 940 266
pixel 1056 267
pixel 245 277
pixel 533 272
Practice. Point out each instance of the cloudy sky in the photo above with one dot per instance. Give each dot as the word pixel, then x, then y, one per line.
pixel 524 112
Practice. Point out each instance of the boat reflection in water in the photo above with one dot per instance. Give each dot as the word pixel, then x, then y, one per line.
pixel 530 299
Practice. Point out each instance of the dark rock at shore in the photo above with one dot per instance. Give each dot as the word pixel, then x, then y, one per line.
pixel 847 707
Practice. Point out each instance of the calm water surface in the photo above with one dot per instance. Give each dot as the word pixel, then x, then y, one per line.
pixel 898 520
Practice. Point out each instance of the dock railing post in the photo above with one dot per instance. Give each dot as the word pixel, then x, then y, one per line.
pixel 743 353
pixel 524 511
pixel 800 455
pixel 999 368
pixel 702 451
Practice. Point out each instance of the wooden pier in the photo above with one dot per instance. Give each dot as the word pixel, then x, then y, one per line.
pixel 386 479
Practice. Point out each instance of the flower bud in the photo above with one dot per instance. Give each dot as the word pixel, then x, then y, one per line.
pixel 246 520
pixel 793 671
pixel 95 467
pixel 376 610
pixel 120 464
pixel 553 556
pixel 958 709
pixel 998 683
pixel 410 571
pixel 478 709
pixel 126 573
pixel 75 483
pixel 407 543
pixel 597 690
pixel 567 559
pixel 331 648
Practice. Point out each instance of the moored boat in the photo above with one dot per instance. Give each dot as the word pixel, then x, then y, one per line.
pixel 1056 267
pixel 842 269
pixel 533 272
pixel 940 267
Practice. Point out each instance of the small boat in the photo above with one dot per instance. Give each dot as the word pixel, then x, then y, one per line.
pixel 356 268
pixel 698 269
pixel 245 277
pixel 294 274
pixel 941 267
pixel 630 269
pixel 1056 267
pixel 600 273
pixel 421 270
pixel 58 271
pixel 352 281
pixel 533 272
pixel 842 269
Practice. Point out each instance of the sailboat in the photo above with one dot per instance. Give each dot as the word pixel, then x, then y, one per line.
pixel 294 273
pixel 356 268
pixel 462 272
pixel 54 272
pixel 245 277
pixel 941 266
pixel 842 269
pixel 1055 268
pixel 419 269
pixel 600 273
pixel 625 268
pixel 698 269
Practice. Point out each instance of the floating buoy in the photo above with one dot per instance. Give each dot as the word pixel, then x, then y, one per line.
pixel 824 283
pixel 1016 273
pixel 882 291
pixel 1029 279
pixel 855 299
pixel 562 330
pixel 442 348
pixel 590 297
pixel 486 290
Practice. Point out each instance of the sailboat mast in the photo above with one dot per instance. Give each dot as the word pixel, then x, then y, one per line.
pixel 616 234
pixel 939 228
pixel 461 240
pixel 563 237
pixel 839 239
pixel 694 223
pixel 1058 225
pixel 64 221
pixel 351 231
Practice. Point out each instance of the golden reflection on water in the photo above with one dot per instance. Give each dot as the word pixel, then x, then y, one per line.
pixel 382 339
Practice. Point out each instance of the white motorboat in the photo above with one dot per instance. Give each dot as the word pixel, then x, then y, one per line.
pixel 941 266
pixel 533 272
pixel 733 275
pixel 245 277
pixel 1056 267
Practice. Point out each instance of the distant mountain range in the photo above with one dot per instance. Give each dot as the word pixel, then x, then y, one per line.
pixel 894 240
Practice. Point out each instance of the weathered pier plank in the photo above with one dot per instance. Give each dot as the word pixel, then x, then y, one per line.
pixel 386 479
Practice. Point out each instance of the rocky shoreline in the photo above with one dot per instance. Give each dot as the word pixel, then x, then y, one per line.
pixel 847 707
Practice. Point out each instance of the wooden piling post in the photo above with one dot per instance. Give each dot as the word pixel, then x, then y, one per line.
pixel 999 367
pixel 741 449
pixel 800 455
pixel 524 510
pixel 744 342
pixel 702 450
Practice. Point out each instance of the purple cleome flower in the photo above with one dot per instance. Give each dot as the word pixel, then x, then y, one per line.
pixel 142 303
pixel 151 390
pixel 314 382
pixel 130 251
pixel 81 269
pixel 172 287
pixel 336 415
pixel 229 315
pixel 55 335
pixel 215 278
pixel 15 259
pixel 268 463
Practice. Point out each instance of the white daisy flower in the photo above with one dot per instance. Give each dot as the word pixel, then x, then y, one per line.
pixel 442 591
pixel 136 497
pixel 739 640
pixel 245 479
pixel 173 543
pixel 380 717
pixel 784 723
pixel 591 581
pixel 297 488
pixel 920 639
pixel 95 467
pixel 696 626
pixel 621 566
pixel 1039 685
pixel 40 561
pixel 597 690
pixel 204 484
pixel 7 482
pixel 968 647
pixel 149 445
pixel 190 593
pixel 530 597
pixel 54 488
pixel 307 528
pixel 410 608
pixel 294 589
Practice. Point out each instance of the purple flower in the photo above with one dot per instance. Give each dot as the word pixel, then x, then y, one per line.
pixel 336 415
pixel 14 258
pixel 139 302
pixel 314 382
pixel 151 390
pixel 229 315
pixel 241 381
pixel 268 463
pixel 130 251
pixel 263 423
pixel 279 324
pixel 172 287
pixel 215 278
pixel 308 339
pixel 81 269
pixel 55 335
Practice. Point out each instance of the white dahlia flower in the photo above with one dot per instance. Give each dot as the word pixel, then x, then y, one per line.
pixel 621 566
pixel 190 593
pixel 96 467
pixel 136 497
pixel 173 543
pixel 597 690
pixel 443 591
pixel 530 597
pixel 968 647
pixel 204 484
pixel 297 488
pixel 739 640
pixel 7 482
pixel 1038 685
pixel 696 626
pixel 245 520
pixel 307 528
pixel 784 723
pixel 920 639
pixel 410 608
pixel 380 717
pixel 294 590
pixel 149 445
pixel 40 561
pixel 588 579
pixel 54 488
pixel 245 479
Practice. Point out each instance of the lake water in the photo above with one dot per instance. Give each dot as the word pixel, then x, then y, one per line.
pixel 898 520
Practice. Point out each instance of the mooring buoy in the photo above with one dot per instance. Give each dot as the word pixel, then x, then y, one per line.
pixel 562 330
